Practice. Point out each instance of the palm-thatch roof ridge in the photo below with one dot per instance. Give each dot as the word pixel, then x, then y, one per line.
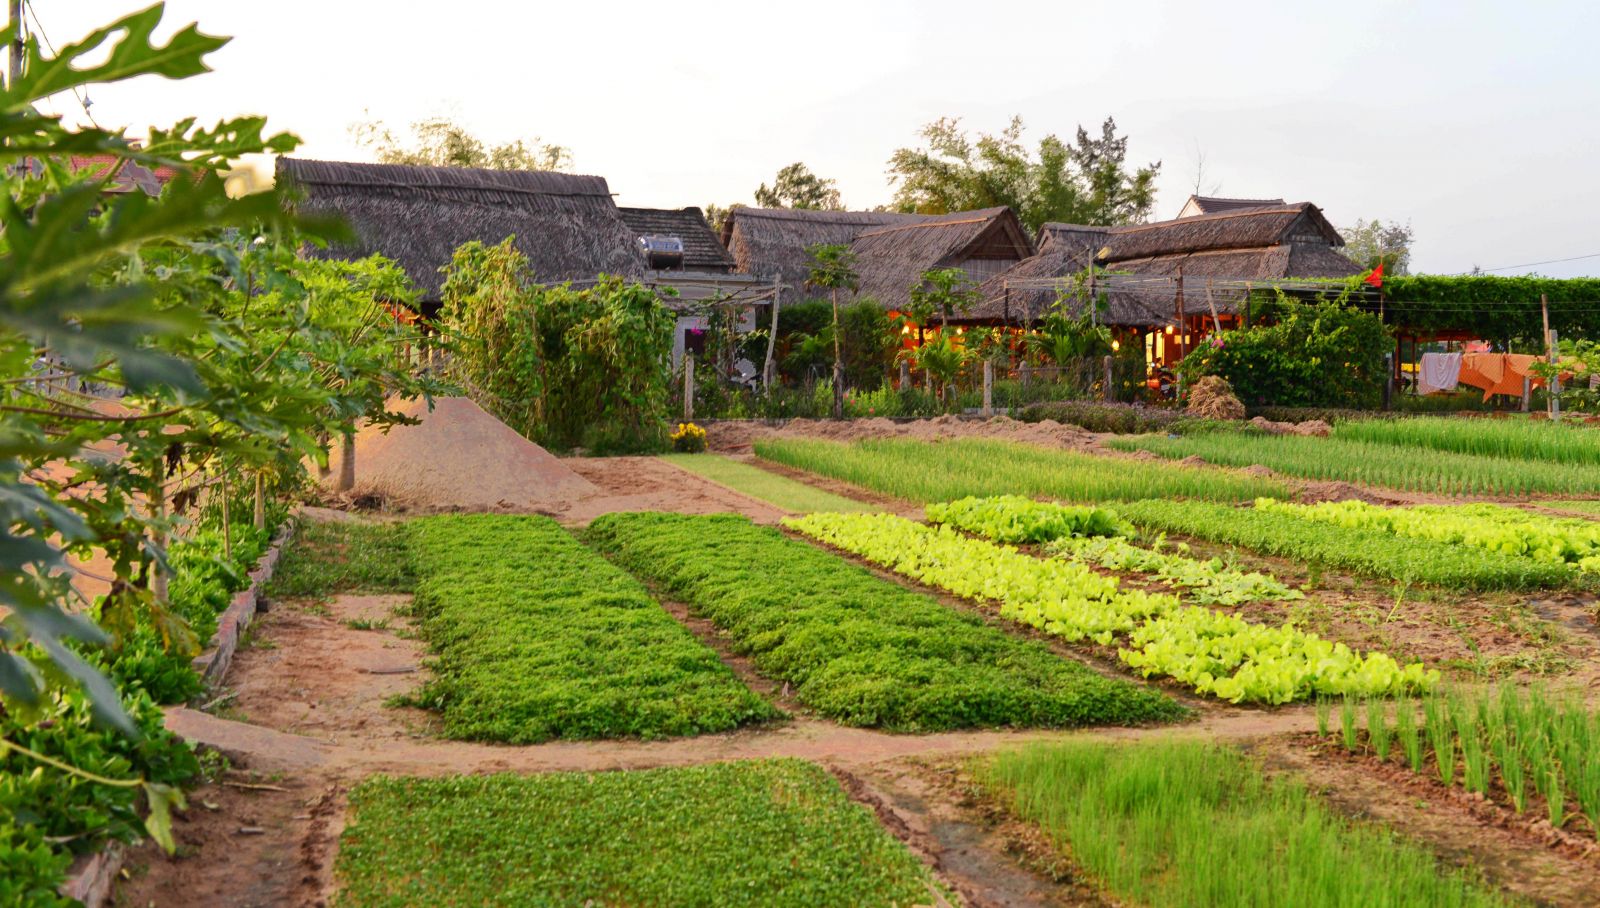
pixel 566 224
pixel 771 243
pixel 1262 243
pixel 702 249
pixel 891 259
pixel 1206 204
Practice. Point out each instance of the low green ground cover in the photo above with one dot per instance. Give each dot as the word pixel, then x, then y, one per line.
pixel 786 493
pixel 1365 551
pixel 344 556
pixel 538 637
pixel 1377 464
pixel 767 833
pixel 1015 519
pixel 1195 825
pixel 1219 654
pixel 943 471
pixel 858 649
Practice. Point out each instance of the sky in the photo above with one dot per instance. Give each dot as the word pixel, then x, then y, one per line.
pixel 1475 122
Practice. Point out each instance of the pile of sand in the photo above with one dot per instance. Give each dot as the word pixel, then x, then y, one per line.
pixel 1310 427
pixel 459 458
pixel 1213 398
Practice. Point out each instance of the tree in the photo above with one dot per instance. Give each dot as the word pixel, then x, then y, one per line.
pixel 1370 242
pixel 1083 183
pixel 717 215
pixel 944 291
pixel 797 187
pixel 833 269
pixel 442 142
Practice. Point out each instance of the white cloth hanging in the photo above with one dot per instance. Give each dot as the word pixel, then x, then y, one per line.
pixel 1438 372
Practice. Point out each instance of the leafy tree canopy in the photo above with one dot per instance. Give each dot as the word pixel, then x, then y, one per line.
pixel 797 187
pixel 1370 242
pixel 1084 183
pixel 442 142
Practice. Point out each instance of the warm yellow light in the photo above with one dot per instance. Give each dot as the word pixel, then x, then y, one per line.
pixel 906 330
pixel 1169 329
pixel 1116 345
pixel 961 331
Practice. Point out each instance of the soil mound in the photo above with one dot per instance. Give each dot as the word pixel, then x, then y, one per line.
pixel 459 458
pixel 1213 398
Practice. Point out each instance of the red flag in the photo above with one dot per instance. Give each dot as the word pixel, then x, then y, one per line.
pixel 1375 279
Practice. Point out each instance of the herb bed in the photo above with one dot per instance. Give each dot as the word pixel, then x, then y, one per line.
pixel 859 649
pixel 539 638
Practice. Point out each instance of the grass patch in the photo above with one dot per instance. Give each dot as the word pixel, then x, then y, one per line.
pixel 1417 469
pixel 344 556
pixel 770 833
pixel 786 493
pixel 538 638
pixel 859 649
pixel 1179 823
pixel 1366 551
pixel 943 471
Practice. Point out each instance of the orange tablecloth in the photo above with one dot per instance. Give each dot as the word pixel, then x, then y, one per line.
pixel 1499 373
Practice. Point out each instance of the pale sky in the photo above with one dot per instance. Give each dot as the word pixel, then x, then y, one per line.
pixel 1479 123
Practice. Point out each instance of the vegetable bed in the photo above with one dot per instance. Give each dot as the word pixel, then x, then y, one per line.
pixel 1196 825
pixel 941 471
pixel 858 649
pixel 769 833
pixel 538 637
pixel 1367 551
pixel 1219 654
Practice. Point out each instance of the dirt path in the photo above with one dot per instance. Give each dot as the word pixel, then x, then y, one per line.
pixel 652 484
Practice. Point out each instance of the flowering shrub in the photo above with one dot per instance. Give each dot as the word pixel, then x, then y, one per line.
pixel 688 438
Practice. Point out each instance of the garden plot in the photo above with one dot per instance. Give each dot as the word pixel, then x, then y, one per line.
pixel 933 472
pixel 860 650
pixel 537 638
pixel 768 833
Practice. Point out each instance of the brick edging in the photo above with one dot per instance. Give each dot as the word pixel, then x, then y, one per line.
pixel 235 619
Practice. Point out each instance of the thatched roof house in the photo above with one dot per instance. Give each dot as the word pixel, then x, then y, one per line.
pixel 567 225
pixel 771 243
pixel 1243 244
pixel 1205 204
pixel 702 249
pixel 892 249
pixel 891 259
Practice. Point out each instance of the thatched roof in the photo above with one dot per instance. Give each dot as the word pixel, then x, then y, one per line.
pixel 1264 243
pixel 1205 204
pixel 772 242
pixel 891 258
pixel 1251 228
pixel 567 225
pixel 702 249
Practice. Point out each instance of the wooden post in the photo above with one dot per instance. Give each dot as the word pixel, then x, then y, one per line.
pixel 1527 393
pixel 227 519
pixel 988 387
pixel 1107 391
pixel 905 374
pixel 688 386
pixel 1183 324
pixel 1553 391
pixel 1216 324
pixel 1094 315
pixel 1025 371
pixel 1555 382
pixel 769 370
pixel 261 501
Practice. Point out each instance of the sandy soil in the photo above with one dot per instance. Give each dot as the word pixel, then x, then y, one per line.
pixel 652 484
